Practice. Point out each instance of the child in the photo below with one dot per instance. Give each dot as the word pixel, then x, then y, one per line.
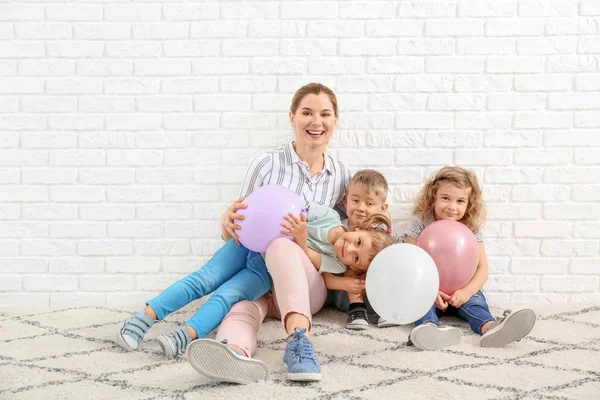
pixel 235 274
pixel 453 193
pixel 365 197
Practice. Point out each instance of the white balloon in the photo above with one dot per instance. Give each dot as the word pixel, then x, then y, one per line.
pixel 402 283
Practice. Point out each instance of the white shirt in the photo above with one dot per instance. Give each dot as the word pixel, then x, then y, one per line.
pixel 283 167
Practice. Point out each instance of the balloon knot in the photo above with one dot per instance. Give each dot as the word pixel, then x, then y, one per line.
pixel 389 231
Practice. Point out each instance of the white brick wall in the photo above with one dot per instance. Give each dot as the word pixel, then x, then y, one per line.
pixel 125 129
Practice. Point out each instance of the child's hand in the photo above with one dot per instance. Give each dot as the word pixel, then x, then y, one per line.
pixel 459 298
pixel 441 301
pixel 296 228
pixel 355 285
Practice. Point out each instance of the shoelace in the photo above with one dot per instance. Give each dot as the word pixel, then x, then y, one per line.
pixel 356 314
pixel 302 347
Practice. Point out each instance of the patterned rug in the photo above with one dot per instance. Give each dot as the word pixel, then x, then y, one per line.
pixel 70 354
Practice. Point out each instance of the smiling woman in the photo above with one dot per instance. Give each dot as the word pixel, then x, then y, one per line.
pixel 298 290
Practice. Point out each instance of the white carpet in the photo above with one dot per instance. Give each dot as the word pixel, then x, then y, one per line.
pixel 70 354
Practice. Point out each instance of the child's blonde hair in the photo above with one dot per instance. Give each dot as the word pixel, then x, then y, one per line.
pixel 372 181
pixel 378 226
pixel 463 178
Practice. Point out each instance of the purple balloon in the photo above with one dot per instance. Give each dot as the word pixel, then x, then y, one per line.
pixel 267 206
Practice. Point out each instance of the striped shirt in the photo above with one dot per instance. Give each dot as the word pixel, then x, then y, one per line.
pixel 417 225
pixel 283 167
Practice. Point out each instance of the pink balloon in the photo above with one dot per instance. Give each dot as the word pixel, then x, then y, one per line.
pixel 455 251
pixel 267 206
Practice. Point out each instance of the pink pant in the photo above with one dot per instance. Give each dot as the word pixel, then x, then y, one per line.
pixel 297 288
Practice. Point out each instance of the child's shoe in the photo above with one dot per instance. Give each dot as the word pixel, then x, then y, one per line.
pixel 174 344
pixel 357 319
pixel 512 326
pixel 429 336
pixel 133 330
pixel 216 361
pixel 384 323
pixel 300 358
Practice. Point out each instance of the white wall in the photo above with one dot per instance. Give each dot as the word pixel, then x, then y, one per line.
pixel 125 129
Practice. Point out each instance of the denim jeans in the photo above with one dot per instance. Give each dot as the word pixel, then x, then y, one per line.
pixel 475 311
pixel 341 301
pixel 234 273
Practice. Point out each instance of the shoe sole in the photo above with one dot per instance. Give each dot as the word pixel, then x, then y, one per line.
pixel 357 327
pixel 386 325
pixel 166 347
pixel 516 326
pixel 121 342
pixel 214 360
pixel 427 337
pixel 304 376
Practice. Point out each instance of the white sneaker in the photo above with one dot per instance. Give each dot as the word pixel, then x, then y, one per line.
pixel 384 323
pixel 357 319
pixel 509 328
pixel 216 361
pixel 432 337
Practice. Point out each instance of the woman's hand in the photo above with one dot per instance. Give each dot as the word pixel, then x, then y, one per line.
pixel 459 297
pixel 441 301
pixel 296 228
pixel 228 224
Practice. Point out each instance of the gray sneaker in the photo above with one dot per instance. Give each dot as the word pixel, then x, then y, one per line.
pixel 384 323
pixel 357 319
pixel 512 326
pixel 432 337
pixel 216 361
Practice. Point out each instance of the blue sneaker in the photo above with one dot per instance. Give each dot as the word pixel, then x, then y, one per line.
pixel 300 358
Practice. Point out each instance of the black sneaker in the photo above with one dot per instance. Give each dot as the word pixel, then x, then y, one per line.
pixel 357 319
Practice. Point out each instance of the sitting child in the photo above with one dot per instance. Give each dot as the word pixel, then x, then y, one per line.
pixel 454 194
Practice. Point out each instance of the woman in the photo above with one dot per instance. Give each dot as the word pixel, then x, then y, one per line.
pixel 298 291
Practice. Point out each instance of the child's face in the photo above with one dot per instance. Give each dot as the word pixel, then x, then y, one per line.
pixel 451 202
pixel 352 249
pixel 361 204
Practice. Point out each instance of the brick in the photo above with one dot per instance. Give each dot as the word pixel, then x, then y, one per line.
pixel 277 28
pixel 444 64
pixel 21 300
pixel 574 101
pixel 310 47
pixel 105 176
pixel 585 266
pixel 47 247
pixel 589 7
pixel 341 29
pixel 538 298
pixel 254 10
pixel 420 46
pixel 586 192
pixel 571 174
pixel 105 68
pixel 542 229
pixel 22 193
pixel 426 9
pixel 483 157
pixel 10 175
pixel 546 45
pixel 540 193
pixel 589 45
pixel 451 27
pixel 162 140
pixel 72 86
pixel 569 248
pixel 160 30
pixel 77 193
pixel 131 86
pixel 507 283
pixel 456 102
pixel 514 64
pixel 133 264
pixel 21 12
pixel 76 157
pixel 46 68
pixel 543 83
pixel 276 66
pixel 106 283
pixel 10 283
pixel 191 121
pixel 513 139
pixel 191 48
pixel 371 158
pixel 162 67
pixel 423 83
pixel 9 105
pixel 110 247
pixel 536 8
pixel 191 85
pixel 74 48
pixel 101 31
pixel 392 102
pixel 191 12
pixel 289 84
pixel 107 212
pixel 190 193
pixel 366 10
pixel 218 29
pixel 570 284
pixel 400 65
pixel 369 121
pixel 71 12
pixel 135 229
pixel 409 139
pixel 134 157
pixel 587 119
pixel 514 211
pixel 50 104
pixel 424 121
pixel 560 64
pixel 9 211
pixel 517 102
pixel 423 157
pixel 194 229
pixel 162 247
pixel 487 9
pixel 493 46
pixel 47 140
pixel 133 299
pixel 513 247
pixel 75 122
pixel 134 194
pixel 133 49
pixel 134 122
pixel 544 157
pixel 454 139
pixel 515 27
pixel 49 175
pixel 586 230
pixel 536 120
pixel 498 229
pixel 585 82
pixel 572 26
pixel 106 104
pixel 513 175
pixel 584 298
pixel 220 66
pixel 23 264
pixel 23 229
pixel 21 85
pixel 164 211
pixel 132 12
pixel 49 211
pixel 77 229
pixel 572 211
pixel 106 139
pixel 23 157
